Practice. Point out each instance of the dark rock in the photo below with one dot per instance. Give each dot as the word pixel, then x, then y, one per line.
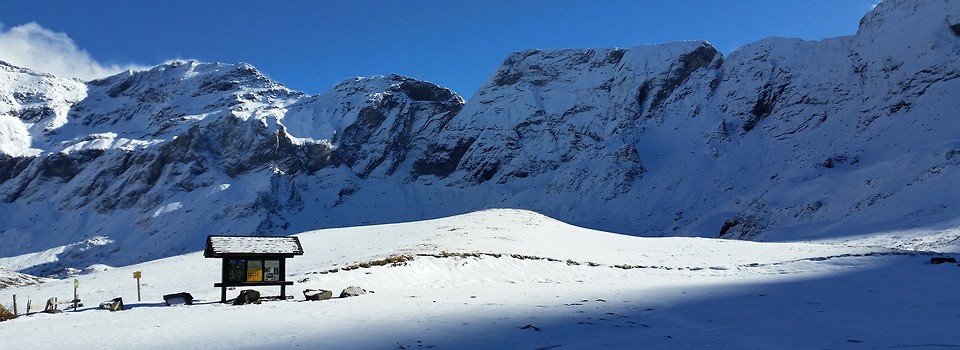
pixel 530 326
pixel 113 305
pixel 615 56
pixel 742 227
pixel 352 291
pixel 764 106
pixel 33 115
pixel 247 296
pixel 680 72
pixel 955 28
pixel 942 259
pixel 182 298
pixel 442 160
pixel 424 91
pixel 317 294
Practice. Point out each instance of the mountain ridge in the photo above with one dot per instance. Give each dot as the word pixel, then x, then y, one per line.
pixel 784 139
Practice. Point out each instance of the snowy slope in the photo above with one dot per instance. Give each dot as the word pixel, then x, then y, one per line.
pixel 847 139
pixel 519 280
pixel 31 104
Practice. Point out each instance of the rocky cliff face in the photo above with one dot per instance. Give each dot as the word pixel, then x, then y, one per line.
pixel 783 139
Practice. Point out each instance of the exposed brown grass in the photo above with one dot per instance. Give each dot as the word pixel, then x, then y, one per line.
pixel 6 314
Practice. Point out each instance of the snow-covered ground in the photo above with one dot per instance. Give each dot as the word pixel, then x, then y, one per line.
pixel 519 280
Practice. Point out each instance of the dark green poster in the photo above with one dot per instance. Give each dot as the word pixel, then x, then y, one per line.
pixel 236 270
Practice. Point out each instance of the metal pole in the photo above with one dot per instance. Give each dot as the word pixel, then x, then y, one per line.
pixel 15 313
pixel 75 285
pixel 138 289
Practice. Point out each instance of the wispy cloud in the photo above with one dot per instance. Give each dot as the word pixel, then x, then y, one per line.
pixel 33 46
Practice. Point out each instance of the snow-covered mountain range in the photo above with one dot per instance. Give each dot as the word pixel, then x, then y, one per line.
pixel 784 139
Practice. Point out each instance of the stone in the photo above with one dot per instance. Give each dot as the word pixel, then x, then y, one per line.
pixel 247 296
pixel 113 305
pixel 182 298
pixel 942 259
pixel 317 294
pixel 352 291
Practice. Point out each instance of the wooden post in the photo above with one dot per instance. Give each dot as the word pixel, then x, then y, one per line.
pixel 76 284
pixel 15 314
pixel 28 304
pixel 283 278
pixel 223 279
pixel 136 274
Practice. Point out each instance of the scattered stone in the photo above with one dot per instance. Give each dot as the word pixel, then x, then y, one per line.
pixel 182 298
pixel 942 259
pixel 352 291
pixel 530 326
pixel 113 305
pixel 247 296
pixel 317 294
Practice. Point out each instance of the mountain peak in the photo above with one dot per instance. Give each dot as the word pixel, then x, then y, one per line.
pixel 910 30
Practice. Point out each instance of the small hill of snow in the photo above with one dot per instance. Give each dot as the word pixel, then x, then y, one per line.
pixel 513 279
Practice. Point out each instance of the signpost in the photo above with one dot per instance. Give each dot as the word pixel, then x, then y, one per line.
pixel 136 274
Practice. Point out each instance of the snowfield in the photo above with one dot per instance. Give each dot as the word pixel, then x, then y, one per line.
pixel 520 280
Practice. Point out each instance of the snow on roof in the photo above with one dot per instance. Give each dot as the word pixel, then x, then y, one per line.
pixel 219 246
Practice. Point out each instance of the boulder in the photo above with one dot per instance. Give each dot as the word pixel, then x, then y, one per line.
pixel 352 291
pixel 113 305
pixel 317 294
pixel 182 298
pixel 942 259
pixel 247 296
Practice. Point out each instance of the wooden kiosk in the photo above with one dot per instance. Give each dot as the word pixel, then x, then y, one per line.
pixel 252 261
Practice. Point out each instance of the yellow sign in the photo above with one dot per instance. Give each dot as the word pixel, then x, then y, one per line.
pixel 136 274
pixel 255 271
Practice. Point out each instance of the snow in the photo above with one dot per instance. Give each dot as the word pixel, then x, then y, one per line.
pixel 520 292
pixel 167 208
pixel 670 139
pixel 843 151
pixel 15 138
pixel 225 245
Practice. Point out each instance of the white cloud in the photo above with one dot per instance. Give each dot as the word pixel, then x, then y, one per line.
pixel 33 46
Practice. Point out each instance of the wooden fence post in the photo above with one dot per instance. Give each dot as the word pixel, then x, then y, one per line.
pixel 15 314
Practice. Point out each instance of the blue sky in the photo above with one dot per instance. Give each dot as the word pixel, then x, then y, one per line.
pixel 312 45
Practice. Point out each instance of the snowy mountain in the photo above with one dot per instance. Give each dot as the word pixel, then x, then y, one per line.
pixel 782 140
